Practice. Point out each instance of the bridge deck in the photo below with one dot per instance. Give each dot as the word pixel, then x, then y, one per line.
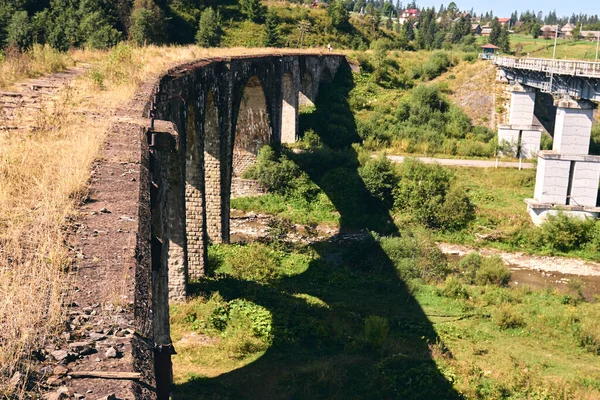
pixel 586 69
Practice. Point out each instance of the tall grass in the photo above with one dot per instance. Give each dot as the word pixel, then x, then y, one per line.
pixel 37 61
pixel 44 175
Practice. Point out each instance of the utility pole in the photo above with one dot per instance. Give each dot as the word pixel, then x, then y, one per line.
pixel 555 37
pixel 597 43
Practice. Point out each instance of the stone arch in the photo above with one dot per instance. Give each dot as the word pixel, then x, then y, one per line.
pixel 306 96
pixel 212 170
pixel 253 128
pixel 194 199
pixel 326 75
pixel 289 109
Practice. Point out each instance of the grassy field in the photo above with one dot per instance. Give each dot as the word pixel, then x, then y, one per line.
pixel 376 318
pixel 544 48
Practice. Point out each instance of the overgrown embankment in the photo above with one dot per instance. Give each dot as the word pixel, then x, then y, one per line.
pixel 45 162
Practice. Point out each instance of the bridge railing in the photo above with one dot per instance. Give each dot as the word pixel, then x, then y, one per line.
pixel 563 67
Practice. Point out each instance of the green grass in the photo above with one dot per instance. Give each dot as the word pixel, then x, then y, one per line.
pixel 544 48
pixel 348 321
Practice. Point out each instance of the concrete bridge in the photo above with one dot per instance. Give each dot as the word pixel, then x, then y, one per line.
pixel 209 119
pixel 567 176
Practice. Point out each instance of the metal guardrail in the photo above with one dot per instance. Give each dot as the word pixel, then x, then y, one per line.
pixel 586 69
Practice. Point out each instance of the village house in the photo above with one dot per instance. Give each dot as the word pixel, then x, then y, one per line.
pixel 408 14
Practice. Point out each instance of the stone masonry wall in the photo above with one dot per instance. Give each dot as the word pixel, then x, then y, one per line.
pixel 246 188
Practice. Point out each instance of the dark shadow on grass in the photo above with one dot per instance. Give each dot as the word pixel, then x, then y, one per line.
pixel 321 351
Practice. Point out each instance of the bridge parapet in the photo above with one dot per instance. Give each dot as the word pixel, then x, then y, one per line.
pixel 586 69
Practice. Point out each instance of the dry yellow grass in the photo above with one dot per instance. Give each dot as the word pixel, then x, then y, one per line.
pixel 44 173
pixel 38 61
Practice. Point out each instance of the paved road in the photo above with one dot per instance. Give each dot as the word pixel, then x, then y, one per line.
pixel 465 163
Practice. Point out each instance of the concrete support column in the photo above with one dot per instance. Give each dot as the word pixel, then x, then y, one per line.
pixel 584 186
pixel 573 126
pixel 531 141
pixel 522 104
pixel 552 180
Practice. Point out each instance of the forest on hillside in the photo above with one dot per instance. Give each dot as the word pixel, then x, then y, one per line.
pixel 100 24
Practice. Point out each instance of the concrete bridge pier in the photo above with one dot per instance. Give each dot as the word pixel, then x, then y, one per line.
pixel 567 176
pixel 520 137
pixel 573 126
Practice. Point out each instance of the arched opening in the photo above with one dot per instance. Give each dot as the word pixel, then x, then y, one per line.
pixel 212 171
pixel 194 202
pixel 289 108
pixel 326 75
pixel 306 91
pixel 253 128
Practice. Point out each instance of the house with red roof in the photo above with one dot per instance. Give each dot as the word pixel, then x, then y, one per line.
pixel 411 13
pixel 506 22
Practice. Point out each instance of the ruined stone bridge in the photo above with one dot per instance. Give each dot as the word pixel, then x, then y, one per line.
pixel 193 132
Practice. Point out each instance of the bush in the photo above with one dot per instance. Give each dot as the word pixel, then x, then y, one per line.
pixel 276 173
pixel 426 192
pixel 379 176
pixel 588 334
pixel 563 233
pixel 376 330
pixel 414 257
pixel 493 271
pixel 469 266
pixel 255 262
pixel 506 318
pixel 454 289
pixel 457 211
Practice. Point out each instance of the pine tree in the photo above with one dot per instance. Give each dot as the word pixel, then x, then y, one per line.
pixel 496 31
pixel 504 40
pixel 19 31
pixel 272 38
pixel 209 30
pixel 253 10
pixel 338 14
pixel 147 23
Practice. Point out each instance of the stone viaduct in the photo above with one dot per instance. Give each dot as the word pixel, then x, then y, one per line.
pixel 209 119
pixel 567 176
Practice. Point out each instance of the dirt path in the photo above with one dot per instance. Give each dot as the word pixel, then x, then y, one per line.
pixel 563 265
pixel 465 163
pixel 19 108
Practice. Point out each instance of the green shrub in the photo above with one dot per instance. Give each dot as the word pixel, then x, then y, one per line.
pixel 426 192
pixel 379 176
pixel 276 173
pixel 469 266
pixel 413 257
pixel 588 333
pixel 456 211
pixel 493 271
pixel 255 262
pixel 454 289
pixel 376 330
pixel 506 317
pixel 563 233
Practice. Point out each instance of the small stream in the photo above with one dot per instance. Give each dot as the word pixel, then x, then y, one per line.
pixel 247 227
